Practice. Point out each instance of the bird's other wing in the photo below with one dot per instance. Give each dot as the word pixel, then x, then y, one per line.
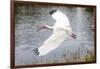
pixel 51 43
pixel 61 19
pixel 48 46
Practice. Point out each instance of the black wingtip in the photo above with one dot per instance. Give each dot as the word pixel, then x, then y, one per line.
pixel 35 51
pixel 74 36
pixel 51 12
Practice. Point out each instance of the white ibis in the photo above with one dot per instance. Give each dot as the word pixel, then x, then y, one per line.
pixel 61 30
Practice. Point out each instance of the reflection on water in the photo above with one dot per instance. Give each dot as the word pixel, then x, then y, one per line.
pixel 29 18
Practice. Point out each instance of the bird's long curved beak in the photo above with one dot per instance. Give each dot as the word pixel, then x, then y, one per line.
pixel 45 27
pixel 41 28
pixel 73 36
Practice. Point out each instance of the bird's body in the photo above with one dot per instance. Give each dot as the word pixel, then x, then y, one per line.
pixel 61 30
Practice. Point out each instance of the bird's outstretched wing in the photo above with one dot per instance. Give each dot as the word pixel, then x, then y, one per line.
pixel 61 19
pixel 52 43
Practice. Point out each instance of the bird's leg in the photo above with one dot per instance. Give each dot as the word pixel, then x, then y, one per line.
pixel 45 27
pixel 73 35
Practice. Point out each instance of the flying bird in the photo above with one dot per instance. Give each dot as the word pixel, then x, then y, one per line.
pixel 61 30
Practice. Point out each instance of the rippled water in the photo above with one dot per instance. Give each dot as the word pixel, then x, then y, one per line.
pixel 71 50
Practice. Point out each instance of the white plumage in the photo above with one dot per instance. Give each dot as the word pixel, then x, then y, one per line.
pixel 61 30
